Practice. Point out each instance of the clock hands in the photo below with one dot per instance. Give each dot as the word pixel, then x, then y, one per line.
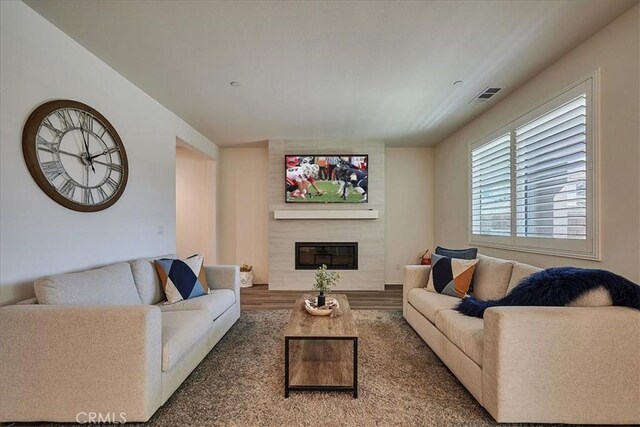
pixel 97 155
pixel 84 139
pixel 100 154
pixel 85 157
pixel 86 147
pixel 67 153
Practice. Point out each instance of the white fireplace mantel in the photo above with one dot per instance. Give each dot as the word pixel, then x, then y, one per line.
pixel 326 214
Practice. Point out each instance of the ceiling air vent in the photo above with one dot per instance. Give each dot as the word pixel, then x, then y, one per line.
pixel 485 95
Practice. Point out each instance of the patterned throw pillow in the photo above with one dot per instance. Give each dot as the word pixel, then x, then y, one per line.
pixel 469 253
pixel 451 276
pixel 182 279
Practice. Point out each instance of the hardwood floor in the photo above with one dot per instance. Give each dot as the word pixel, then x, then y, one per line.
pixel 259 297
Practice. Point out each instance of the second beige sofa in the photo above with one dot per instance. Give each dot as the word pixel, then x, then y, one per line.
pixel 532 364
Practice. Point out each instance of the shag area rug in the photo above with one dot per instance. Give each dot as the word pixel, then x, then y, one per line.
pixel 401 382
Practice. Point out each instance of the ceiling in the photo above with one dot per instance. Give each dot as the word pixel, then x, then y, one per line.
pixel 328 70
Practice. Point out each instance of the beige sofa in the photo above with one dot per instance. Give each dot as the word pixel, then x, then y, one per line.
pixel 532 364
pixel 102 342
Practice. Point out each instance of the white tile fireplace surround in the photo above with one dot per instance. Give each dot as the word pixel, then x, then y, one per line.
pixel 362 223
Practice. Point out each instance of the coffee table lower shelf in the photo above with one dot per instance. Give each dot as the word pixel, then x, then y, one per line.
pixel 321 365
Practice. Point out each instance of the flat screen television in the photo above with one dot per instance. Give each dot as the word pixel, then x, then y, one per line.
pixel 313 178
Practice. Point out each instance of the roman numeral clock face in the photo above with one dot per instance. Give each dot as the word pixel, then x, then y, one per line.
pixel 75 155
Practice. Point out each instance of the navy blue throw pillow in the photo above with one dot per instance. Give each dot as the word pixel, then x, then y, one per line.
pixel 470 253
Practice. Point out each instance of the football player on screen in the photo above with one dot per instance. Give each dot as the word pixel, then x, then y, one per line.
pixel 298 180
pixel 349 175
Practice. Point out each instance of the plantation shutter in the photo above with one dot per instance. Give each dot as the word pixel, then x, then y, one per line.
pixel 551 173
pixel 491 187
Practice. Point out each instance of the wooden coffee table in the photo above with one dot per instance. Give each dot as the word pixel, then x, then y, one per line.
pixel 321 352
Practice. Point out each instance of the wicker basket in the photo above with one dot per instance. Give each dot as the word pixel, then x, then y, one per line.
pixel 246 279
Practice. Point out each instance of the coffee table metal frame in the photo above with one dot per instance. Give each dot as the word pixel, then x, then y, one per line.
pixel 353 388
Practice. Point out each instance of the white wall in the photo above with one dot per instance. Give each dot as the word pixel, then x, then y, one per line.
pixel 616 51
pixel 409 208
pixel 244 209
pixel 38 236
pixel 195 205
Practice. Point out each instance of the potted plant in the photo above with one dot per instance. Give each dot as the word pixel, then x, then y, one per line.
pixel 246 276
pixel 324 281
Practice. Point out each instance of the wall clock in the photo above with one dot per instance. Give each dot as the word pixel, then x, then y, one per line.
pixel 75 155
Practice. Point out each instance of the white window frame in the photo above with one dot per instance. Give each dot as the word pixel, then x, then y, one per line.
pixel 588 248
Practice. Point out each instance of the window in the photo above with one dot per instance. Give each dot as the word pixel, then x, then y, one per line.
pixel 551 173
pixel 532 181
pixel 491 187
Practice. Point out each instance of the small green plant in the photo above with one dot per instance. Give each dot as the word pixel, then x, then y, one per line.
pixel 325 279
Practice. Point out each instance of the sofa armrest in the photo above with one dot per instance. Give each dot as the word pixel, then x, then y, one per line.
pixel 224 277
pixel 562 364
pixel 415 276
pixel 57 361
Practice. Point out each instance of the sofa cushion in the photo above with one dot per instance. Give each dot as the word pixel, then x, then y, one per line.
pixel 430 303
pixel 181 330
pixel 215 303
pixel 110 285
pixel 147 280
pixel 451 276
pixel 520 271
pixel 465 332
pixel 491 277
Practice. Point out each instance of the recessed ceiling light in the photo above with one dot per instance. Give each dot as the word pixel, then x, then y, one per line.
pixel 235 84
pixel 457 82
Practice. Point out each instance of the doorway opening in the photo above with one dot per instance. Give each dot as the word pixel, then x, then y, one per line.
pixel 195 203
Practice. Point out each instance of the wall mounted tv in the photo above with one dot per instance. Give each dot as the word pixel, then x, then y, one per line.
pixel 337 178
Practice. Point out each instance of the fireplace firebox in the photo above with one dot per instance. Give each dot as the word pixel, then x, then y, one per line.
pixel 335 255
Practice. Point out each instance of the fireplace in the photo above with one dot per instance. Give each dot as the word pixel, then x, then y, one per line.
pixel 335 255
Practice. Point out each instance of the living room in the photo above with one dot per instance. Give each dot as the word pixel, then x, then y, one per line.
pixel 245 132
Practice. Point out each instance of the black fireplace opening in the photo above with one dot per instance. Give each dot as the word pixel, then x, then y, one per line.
pixel 335 255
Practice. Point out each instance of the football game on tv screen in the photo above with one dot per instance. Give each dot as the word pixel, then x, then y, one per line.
pixel 326 179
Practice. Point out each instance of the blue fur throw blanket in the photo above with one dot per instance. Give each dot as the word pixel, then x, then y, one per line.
pixel 563 286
